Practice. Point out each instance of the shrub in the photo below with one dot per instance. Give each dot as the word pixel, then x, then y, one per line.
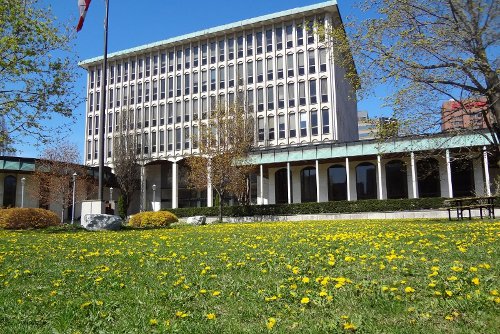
pixel 152 219
pixel 25 218
pixel 122 211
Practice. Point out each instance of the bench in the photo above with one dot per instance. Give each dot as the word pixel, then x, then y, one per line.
pixel 459 205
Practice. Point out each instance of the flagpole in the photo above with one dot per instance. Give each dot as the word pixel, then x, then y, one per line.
pixel 102 120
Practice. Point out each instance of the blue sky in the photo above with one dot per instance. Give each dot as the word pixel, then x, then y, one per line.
pixel 133 23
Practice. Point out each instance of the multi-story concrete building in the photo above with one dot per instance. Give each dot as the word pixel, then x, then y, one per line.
pixel 467 114
pixel 306 128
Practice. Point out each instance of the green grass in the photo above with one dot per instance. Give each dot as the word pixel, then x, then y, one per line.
pixel 308 277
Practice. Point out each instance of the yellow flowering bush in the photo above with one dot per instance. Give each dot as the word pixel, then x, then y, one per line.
pixel 25 218
pixel 152 219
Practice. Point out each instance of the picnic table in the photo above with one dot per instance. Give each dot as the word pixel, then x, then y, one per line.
pixel 459 205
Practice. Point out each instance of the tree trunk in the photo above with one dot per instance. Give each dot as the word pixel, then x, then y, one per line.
pixel 220 207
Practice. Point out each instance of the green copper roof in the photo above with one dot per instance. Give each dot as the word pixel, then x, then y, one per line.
pixel 215 30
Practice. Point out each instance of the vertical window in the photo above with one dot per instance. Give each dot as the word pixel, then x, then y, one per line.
pixel 325 117
pixel 140 68
pixel 186 138
pixel 171 87
pixel 139 92
pixel 321 32
pixel 324 89
pixel 155 65
pixel 231 76
pixel 99 75
pixel 154 111
pixel 222 52
pixel 118 73
pixel 314 123
pixel 145 142
pixel 187 110
pixel 312 91
pixel 96 148
pixel 250 100
pixel 195 83
pixel 204 81
pixel 178 139
pixel 146 91
pixel 155 90
pixel 289 36
pixel 300 63
pixel 291 95
pixel 270 98
pixel 132 94
pixel 89 152
pixel 148 66
pixel 222 77
pixel 279 67
pixel 303 124
pixel 125 95
pixel 96 125
pixel 131 119
pixel 260 99
pixel 204 108
pixel 261 129
pixel 162 88
pixel 308 185
pixel 249 45
pixel 170 140
pixel 195 56
pixel 312 62
pixel 230 46
pixel 258 37
pixel 110 122
pixel 281 97
pixel 179 60
pixel 146 117
pixel 195 110
pixel 289 65
pixel 279 38
pixel 310 32
pixel 292 127
pixel 170 113
pixel 153 142
pixel 204 54
pixel 302 93
pixel 366 181
pixel 281 127
pixel 213 52
pixel 138 116
pixel 178 86
pixel 270 127
pixel 89 125
pixel 240 74
pixel 162 114
pixel 337 183
pixel 170 61
pixel 92 74
pixel 240 46
pixel 91 102
pixel 98 101
pixel 269 68
pixel 260 71
pixel 112 74
pixel 162 140
pixel 300 34
pixel 212 79
pixel 187 58
pixel 125 71
pixel 117 97
pixel 250 72
pixel 178 112
pixel 187 84
pixel 163 63
pixel 322 60
pixel 269 40
pixel 195 137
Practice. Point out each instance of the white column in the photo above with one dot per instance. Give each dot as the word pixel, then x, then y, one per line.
pixel 261 182
pixel 288 183
pixel 317 181
pixel 448 173
pixel 348 176
pixel 379 174
pixel 210 192
pixel 414 184
pixel 142 200
pixel 486 172
pixel 175 186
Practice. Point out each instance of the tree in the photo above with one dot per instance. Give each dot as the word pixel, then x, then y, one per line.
pixel 54 177
pixel 224 143
pixel 427 51
pixel 126 163
pixel 36 72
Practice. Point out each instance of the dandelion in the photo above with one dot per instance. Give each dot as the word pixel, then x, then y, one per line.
pixel 181 314
pixel 86 304
pixel 475 281
pixel 349 326
pixel 211 316
pixel 270 323
pixel 305 300
pixel 409 289
pixel 448 293
pixel 153 322
pixel 216 293
pixel 305 280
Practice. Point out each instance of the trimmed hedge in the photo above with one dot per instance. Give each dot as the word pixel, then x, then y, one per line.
pixel 152 219
pixel 27 218
pixel 373 205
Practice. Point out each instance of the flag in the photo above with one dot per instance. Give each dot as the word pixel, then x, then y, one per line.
pixel 83 6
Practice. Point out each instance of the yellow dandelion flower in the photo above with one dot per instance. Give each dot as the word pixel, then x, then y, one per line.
pixel 409 289
pixel 475 281
pixel 211 316
pixel 53 292
pixel 305 300
pixel 449 317
pixel 448 293
pixel 86 304
pixel 216 293
pixel 305 280
pixel 153 322
pixel 452 278
pixel 494 292
pixel 349 326
pixel 270 323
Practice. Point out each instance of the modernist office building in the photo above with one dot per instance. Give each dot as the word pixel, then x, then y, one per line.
pixel 293 88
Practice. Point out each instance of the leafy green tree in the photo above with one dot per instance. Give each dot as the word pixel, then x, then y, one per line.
pixel 37 72
pixel 425 51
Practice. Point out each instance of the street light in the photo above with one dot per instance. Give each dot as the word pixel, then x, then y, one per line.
pixel 73 206
pixel 23 181
pixel 154 196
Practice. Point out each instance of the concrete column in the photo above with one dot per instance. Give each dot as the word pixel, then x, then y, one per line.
pixel 379 174
pixel 448 174
pixel 143 201
pixel 414 183
pixel 486 172
pixel 317 181
pixel 288 183
pixel 175 186
pixel 261 182
pixel 348 176
pixel 210 192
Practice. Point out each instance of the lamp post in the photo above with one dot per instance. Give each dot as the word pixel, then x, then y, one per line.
pixel 73 206
pixel 154 197
pixel 23 181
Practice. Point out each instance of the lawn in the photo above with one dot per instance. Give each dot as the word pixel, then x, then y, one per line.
pixel 308 277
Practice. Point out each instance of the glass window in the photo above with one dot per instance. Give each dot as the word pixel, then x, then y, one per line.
pixel 148 66
pixel 325 117
pixel 429 184
pixel 337 183
pixel 310 32
pixel 250 72
pixel 289 36
pixel 170 61
pixel 132 94
pixel 204 107
pixel 187 84
pixel 153 142
pixel 240 46
pixel 270 127
pixel 179 60
pixel 462 177
pixel 292 128
pixel 312 62
pixel 260 71
pixel 195 83
pixel 366 181
pixel 324 90
pixel 204 81
pixel 279 67
pixel 312 91
pixel 170 140
pixel 279 38
pixel 270 98
pixel 289 65
pixel 213 53
pixel 178 112
pixel 230 46
pixel 146 91
pixel 187 110
pixel 139 92
pixel 125 71
pixel 204 54
pixel 195 110
pixel 281 97
pixel 303 124
pixel 186 138
pixel 91 102
pixel 300 63
pixel 140 65
pixel 269 40
pixel 258 37
pixel 117 97
pixel 162 140
pixel 9 191
pixel 281 127
pixel 240 74
pixel 196 51
pixel 322 60
pixel 396 180
pixel 300 34
pixel 178 139
pixel 250 100
pixel 222 52
pixel 291 95
pixel 162 114
pixel 187 58
pixel 146 116
pixel 302 93
pixel 195 137
pixel 96 148
pixel 260 99
pixel 92 79
pixel 178 85
pixel 261 130
pixel 163 63
pixel 170 87
pixel 112 74
pixel 222 78
pixel 125 96
pixel 308 185
pixel 98 101
pixel 213 79
pixel 118 73
pixel 314 123
pixel 138 118
pixel 269 68
pixel 89 125
pixel 281 186
pixel 155 90
pixel 89 152
pixel 249 45
pixel 231 76
pixel 170 113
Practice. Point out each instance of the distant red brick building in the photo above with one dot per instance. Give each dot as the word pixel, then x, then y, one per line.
pixel 457 115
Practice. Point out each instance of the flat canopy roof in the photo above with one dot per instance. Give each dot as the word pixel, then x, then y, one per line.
pixel 330 6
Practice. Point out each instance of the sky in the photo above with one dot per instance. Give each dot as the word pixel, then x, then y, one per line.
pixel 133 23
